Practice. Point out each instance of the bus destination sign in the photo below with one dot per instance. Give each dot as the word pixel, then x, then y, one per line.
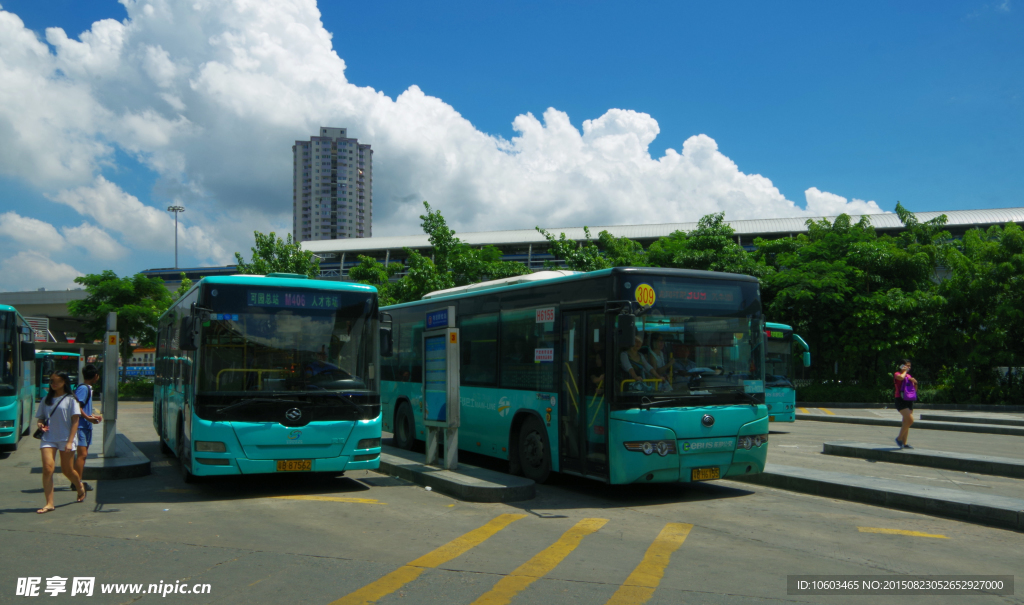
pixel 292 299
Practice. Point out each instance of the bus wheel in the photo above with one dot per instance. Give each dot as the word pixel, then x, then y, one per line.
pixel 186 474
pixel 164 448
pixel 405 428
pixel 534 451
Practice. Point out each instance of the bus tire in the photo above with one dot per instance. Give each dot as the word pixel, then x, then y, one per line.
pixel 164 448
pixel 534 450
pixel 183 467
pixel 405 427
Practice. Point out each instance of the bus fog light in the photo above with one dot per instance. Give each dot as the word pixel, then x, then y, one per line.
pixel 210 446
pixel 214 461
pixel 6 424
pixel 365 444
pixel 645 446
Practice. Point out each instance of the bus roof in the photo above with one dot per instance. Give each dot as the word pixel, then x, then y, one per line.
pixel 45 352
pixel 286 282
pixel 10 309
pixel 775 326
pixel 569 277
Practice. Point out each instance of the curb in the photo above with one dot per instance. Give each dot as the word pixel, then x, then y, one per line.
pixel 974 419
pixel 469 483
pixel 920 424
pixel 982 509
pixel 968 463
pixel 940 407
pixel 128 464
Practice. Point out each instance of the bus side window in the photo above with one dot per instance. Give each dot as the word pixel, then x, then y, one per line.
pixel 390 367
pixel 410 351
pixel 527 351
pixel 479 349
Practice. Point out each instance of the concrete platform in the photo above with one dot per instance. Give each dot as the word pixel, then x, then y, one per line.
pixel 983 509
pixel 964 427
pixel 968 463
pixel 973 419
pixel 129 463
pixel 468 482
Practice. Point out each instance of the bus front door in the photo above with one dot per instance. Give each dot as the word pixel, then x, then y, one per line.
pixel 582 429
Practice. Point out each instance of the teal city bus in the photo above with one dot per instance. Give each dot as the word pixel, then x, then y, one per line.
pixel 782 349
pixel 17 379
pixel 267 374
pixel 553 377
pixel 48 362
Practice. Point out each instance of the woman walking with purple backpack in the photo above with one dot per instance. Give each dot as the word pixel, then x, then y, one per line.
pixel 906 394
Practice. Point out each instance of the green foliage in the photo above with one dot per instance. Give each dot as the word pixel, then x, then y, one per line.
pixel 621 251
pixel 271 254
pixel 141 390
pixel 712 246
pixel 454 264
pixel 183 288
pixel 585 256
pixel 138 301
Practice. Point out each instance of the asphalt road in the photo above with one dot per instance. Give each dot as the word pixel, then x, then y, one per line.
pixel 368 537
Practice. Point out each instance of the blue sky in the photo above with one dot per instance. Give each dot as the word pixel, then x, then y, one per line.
pixel 917 102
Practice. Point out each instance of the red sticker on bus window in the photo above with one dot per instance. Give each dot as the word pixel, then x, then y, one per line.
pixel 545 315
pixel 543 355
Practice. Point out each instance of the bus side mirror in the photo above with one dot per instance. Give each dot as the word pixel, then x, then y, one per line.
pixel 807 359
pixel 625 331
pixel 28 351
pixel 387 343
pixel 188 338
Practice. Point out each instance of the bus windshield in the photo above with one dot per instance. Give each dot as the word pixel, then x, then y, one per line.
pixel 8 355
pixel 698 344
pixel 778 359
pixel 269 340
pixel 57 362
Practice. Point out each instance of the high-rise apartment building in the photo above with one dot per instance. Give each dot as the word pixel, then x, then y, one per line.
pixel 332 187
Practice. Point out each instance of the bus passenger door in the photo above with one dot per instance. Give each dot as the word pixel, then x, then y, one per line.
pixel 583 414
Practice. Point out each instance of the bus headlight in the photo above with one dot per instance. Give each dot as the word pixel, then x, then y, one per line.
pixel 365 444
pixel 663 447
pixel 211 446
pixel 748 441
pixel 6 424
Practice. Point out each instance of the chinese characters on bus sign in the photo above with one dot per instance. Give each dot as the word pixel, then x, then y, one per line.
pixel 437 319
pixel 292 300
pixel 545 315
pixel 543 355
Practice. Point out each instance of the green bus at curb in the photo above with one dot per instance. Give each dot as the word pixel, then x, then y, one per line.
pixel 269 374
pixel 546 381
pixel 782 349
pixel 17 378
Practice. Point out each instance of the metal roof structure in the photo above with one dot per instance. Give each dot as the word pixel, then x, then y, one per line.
pixel 958 221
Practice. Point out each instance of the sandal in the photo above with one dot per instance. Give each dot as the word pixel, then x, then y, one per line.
pixel 45 509
pixel 81 494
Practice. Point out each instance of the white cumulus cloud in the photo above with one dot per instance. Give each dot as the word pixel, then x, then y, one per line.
pixel 211 94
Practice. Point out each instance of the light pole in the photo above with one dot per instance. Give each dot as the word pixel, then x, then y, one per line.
pixel 175 210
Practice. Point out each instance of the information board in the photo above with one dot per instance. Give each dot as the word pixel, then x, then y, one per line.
pixel 436 379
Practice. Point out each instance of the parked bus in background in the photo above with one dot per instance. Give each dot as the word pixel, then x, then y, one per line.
pixel 48 362
pixel 553 374
pixel 782 350
pixel 17 377
pixel 267 374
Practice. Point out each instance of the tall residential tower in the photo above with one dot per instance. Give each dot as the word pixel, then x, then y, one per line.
pixel 332 187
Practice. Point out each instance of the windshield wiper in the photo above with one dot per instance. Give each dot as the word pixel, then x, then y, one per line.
pixel 245 402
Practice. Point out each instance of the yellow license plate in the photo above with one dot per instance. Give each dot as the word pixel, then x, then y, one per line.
pixel 702 474
pixel 294 465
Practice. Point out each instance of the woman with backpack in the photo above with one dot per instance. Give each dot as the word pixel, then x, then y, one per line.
pixel 906 394
pixel 57 419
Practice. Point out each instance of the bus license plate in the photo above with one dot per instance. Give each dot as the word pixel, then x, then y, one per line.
pixel 699 474
pixel 294 465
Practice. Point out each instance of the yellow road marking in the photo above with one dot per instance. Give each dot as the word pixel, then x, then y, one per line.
pixel 802 410
pixel 640 585
pixel 330 499
pixel 899 532
pixel 541 563
pixel 827 411
pixel 409 572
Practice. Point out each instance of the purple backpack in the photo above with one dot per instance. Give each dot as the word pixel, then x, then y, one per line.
pixel 908 390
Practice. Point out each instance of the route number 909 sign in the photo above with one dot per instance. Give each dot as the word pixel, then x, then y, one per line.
pixel 645 295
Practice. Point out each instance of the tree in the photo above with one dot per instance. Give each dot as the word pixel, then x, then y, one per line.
pixel 374 273
pixel 271 254
pixel 622 251
pixel 138 301
pixel 578 256
pixel 712 246
pixel 183 288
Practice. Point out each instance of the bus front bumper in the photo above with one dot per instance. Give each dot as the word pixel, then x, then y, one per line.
pixel 206 466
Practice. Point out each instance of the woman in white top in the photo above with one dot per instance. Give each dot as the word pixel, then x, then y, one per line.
pixel 58 416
